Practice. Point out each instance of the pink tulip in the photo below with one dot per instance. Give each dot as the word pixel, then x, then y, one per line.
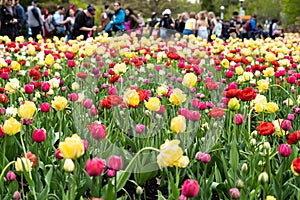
pixel 10 176
pixel 190 188
pixel 234 193
pixel 284 150
pixel 95 166
pixel 115 162
pixel 29 89
pixel 39 135
pixel 45 107
pixel 46 87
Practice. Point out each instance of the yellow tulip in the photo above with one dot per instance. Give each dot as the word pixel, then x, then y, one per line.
pixel 27 110
pixel 178 124
pixel 189 80
pixel 59 103
pixel 23 162
pixel 72 147
pixel 169 154
pixel 153 104
pixel 12 126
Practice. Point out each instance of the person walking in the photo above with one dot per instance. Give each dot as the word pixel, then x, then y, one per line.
pixel 35 20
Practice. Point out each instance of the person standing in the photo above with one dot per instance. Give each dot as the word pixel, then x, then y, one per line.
pixel 202 26
pixel 118 20
pixel 234 25
pixel 35 20
pixel 58 21
pixel 190 25
pixel 21 15
pixel 84 22
pixel 9 20
pixel 253 27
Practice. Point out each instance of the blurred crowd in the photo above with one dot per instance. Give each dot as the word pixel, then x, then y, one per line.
pixel 72 22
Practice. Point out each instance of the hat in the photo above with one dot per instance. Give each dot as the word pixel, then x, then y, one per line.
pixel 167 12
pixel 106 6
pixel 91 9
pixel 254 15
pixel 35 1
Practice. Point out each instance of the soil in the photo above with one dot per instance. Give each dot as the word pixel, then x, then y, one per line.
pixel 150 191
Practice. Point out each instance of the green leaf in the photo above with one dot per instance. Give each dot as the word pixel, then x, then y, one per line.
pixel 234 158
pixel 122 179
pixel 108 192
pixel 43 195
pixel 160 196
pixel 175 190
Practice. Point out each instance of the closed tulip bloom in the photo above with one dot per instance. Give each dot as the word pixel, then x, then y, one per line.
pixel 39 135
pixel 284 150
pixel 115 162
pixel 59 103
pixel 178 124
pixel 23 162
pixel 27 110
pixel 16 195
pixel 234 193
pixel 95 166
pixel 140 128
pixel 169 154
pixel 190 188
pixel 234 104
pixel 153 104
pixel 45 107
pixel 69 165
pixel 10 176
pixel 72 147
pixel 12 126
pixel 194 116
pixel 189 80
pixel 110 173
pixel 97 130
pixel 46 87
pixel 29 89
pixel 239 119
pixel 286 125
pixel 203 157
pixel 58 154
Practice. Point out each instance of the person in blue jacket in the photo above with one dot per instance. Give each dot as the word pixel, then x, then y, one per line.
pixel 253 27
pixel 117 22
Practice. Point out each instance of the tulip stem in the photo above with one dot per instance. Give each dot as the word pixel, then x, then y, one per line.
pixel 29 171
pixel 5 168
pixel 229 127
pixel 4 151
pixel 60 124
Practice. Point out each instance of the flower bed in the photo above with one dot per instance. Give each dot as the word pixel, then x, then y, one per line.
pixel 129 118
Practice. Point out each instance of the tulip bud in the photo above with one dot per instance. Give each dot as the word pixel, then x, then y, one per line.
pixel 115 162
pixel 284 150
pixel 244 167
pixel 140 128
pixel 239 183
pixel 85 144
pixel 267 146
pixel 110 173
pixel 95 166
pixel 234 193
pixel 139 190
pixel 203 157
pixel 58 154
pixel 16 195
pixel 286 125
pixel 45 107
pixel 239 119
pixel 46 87
pixel 39 135
pixel 28 89
pixel 69 165
pixel 263 178
pixel 190 188
pixel 291 117
pixel 10 176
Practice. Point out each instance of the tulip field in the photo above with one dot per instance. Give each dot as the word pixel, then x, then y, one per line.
pixel 142 118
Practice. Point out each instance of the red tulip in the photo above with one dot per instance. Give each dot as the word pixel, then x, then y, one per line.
pixel 95 166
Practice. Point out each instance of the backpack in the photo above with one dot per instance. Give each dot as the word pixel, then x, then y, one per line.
pixel 247 26
pixel 49 26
